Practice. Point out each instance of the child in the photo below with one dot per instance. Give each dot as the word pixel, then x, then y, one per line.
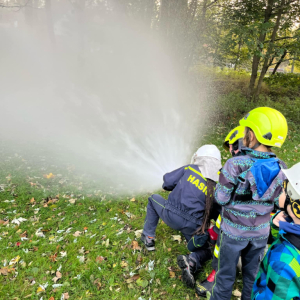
pixel 279 273
pixel 188 205
pixel 234 143
pixel 248 187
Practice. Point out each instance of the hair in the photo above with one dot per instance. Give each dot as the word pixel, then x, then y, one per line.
pixel 247 138
pixel 209 201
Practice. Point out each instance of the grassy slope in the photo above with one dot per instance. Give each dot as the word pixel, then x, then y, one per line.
pixel 111 278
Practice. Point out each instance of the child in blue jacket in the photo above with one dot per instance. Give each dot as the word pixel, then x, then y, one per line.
pixel 188 206
pixel 279 273
pixel 248 187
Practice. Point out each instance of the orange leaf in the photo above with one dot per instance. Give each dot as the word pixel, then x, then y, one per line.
pixel 135 245
pixel 32 200
pixel 51 298
pixel 99 259
pixel 172 274
pixel 53 257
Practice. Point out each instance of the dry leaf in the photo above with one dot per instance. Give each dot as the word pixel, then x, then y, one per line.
pixel 53 257
pixel 172 274
pixel 66 295
pixel 177 238
pixel 5 270
pixel 14 260
pixel 32 200
pixel 72 201
pixel 77 233
pixel 132 200
pixel 236 293
pixel 138 233
pixel 124 264
pixel 58 274
pixel 51 298
pixel 39 290
pixel 99 259
pixel 135 245
pixel 2 222
pixel 48 176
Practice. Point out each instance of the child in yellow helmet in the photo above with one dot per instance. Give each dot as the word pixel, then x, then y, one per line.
pixel 248 187
pixel 233 143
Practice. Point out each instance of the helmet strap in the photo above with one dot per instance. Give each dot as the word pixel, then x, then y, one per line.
pixel 256 145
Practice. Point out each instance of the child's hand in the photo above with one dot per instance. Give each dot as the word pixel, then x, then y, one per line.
pixel 280 217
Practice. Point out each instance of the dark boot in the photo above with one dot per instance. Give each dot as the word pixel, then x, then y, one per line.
pixel 206 285
pixel 148 242
pixel 188 267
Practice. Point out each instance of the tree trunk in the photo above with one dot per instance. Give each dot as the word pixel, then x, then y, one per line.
pixel 238 55
pixel 269 50
pixel 256 58
pixel 293 65
pixel 279 62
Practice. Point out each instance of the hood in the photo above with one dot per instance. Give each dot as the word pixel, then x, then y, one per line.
pixel 264 172
pixel 209 167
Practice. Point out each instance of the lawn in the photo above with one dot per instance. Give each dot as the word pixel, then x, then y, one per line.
pixel 64 236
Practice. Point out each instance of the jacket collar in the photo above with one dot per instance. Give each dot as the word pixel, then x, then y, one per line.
pixel 257 154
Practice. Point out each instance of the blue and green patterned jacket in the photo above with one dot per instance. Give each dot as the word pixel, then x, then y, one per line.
pixel 279 273
pixel 248 187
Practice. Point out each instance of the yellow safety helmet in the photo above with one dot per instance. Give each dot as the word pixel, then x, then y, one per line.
pixel 268 124
pixel 233 136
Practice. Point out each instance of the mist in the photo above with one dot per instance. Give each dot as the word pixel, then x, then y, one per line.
pixel 100 91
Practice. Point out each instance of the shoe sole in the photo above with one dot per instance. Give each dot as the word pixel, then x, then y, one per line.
pixel 150 248
pixel 186 277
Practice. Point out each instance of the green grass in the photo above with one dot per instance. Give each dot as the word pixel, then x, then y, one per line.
pixel 107 223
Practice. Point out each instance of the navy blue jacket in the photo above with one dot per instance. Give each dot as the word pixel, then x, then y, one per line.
pixel 188 196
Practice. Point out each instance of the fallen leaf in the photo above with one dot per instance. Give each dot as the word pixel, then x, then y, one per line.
pixel 132 199
pixel 2 222
pixel 99 259
pixel 14 260
pixel 48 176
pixel 53 257
pixel 177 238
pixel 138 233
pixel 72 201
pixel 58 274
pixel 39 290
pixel 51 298
pixel 107 243
pixel 236 293
pixel 32 200
pixel 124 264
pixel 135 245
pixel 66 296
pixel 77 233
pixel 5 270
pixel 142 283
pixel 172 274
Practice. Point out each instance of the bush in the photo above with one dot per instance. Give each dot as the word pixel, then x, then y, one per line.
pixel 233 106
pixel 284 84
